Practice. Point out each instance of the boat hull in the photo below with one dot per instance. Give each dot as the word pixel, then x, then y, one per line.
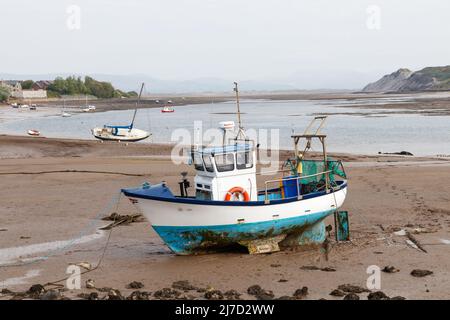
pixel 189 227
pixel 203 239
pixel 34 133
pixel 132 136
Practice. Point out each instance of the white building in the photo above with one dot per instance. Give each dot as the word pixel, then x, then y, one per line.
pixel 30 94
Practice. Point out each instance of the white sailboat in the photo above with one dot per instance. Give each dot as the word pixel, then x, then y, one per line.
pixel 64 113
pixel 122 133
pixel 88 108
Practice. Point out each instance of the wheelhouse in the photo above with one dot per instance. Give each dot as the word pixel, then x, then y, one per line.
pixel 228 172
pixel 225 172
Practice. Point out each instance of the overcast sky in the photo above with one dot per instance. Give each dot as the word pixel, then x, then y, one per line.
pixel 230 39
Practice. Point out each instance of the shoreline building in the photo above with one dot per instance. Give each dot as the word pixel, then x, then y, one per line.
pixel 37 91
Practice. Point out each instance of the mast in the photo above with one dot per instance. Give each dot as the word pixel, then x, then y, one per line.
pixel 137 105
pixel 241 129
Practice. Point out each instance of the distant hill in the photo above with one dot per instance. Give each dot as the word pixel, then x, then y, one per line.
pixel 405 80
pixel 305 79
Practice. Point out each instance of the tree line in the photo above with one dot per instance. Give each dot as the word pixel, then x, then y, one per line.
pixel 76 86
pixel 4 94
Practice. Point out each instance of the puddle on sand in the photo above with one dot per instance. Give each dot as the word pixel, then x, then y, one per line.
pixel 19 280
pixel 15 254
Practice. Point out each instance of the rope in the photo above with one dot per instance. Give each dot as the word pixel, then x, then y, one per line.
pixel 55 283
pixel 75 171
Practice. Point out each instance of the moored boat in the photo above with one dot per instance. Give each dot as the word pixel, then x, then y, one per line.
pixel 167 109
pixel 89 108
pixel 122 133
pixel 65 114
pixel 33 132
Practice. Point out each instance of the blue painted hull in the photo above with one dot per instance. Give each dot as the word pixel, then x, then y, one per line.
pixel 200 239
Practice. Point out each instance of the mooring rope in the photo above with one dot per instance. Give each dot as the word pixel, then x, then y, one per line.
pixel 55 283
pixel 75 171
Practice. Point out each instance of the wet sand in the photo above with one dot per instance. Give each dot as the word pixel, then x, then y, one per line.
pixel 386 194
pixel 425 103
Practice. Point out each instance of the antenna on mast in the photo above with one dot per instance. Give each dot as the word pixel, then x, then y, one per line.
pixel 241 129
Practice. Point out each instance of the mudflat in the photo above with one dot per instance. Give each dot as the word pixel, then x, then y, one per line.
pixel 55 191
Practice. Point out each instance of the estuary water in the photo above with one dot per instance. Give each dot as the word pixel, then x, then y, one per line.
pixel 349 129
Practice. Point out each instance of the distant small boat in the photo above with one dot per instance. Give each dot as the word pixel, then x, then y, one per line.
pixel 64 113
pixel 89 109
pixel 167 109
pixel 33 107
pixel 33 132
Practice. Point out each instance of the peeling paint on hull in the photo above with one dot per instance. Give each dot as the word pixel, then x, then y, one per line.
pixel 185 240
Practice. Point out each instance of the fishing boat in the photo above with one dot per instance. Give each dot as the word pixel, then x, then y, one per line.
pixel 122 133
pixel 167 109
pixel 33 132
pixel 227 209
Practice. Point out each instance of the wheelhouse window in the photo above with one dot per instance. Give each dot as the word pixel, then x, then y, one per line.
pixel 203 195
pixel 208 163
pixel 224 162
pixel 244 160
pixel 198 163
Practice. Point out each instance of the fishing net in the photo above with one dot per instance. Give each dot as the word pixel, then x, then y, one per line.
pixel 314 178
pixel 311 168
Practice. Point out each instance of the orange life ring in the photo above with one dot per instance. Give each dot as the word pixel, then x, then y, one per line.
pixel 239 190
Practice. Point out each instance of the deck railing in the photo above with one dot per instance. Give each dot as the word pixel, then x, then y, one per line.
pixel 299 196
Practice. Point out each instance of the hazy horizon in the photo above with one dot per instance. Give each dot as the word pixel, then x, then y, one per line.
pixel 280 44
